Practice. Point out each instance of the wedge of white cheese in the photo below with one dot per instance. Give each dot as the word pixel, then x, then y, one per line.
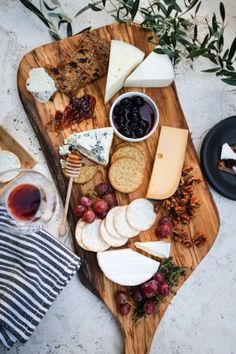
pixel 155 71
pixel 40 85
pixel 94 144
pixel 159 249
pixel 126 267
pixel 227 153
pixel 124 58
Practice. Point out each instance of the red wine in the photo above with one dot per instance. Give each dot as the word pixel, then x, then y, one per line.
pixel 24 201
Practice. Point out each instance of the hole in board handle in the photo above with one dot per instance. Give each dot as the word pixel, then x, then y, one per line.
pixel 160 155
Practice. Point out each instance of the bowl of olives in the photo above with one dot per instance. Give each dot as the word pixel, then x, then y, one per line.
pixel 134 116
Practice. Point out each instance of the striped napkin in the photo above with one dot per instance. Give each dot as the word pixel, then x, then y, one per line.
pixel 33 271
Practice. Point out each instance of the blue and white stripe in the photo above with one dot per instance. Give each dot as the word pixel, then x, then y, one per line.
pixel 33 270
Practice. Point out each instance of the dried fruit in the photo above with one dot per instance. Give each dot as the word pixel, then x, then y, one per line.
pixel 199 240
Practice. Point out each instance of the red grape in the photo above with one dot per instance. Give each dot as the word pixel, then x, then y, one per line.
pixel 100 206
pixel 124 309
pixel 166 220
pixel 159 277
pixel 137 296
pixel 150 288
pixel 164 289
pixel 148 307
pixel 110 199
pixel 86 201
pixel 89 216
pixel 79 210
pixel 102 215
pixel 121 297
pixel 102 189
pixel 164 230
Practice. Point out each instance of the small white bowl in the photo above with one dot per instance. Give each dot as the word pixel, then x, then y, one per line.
pixel 155 111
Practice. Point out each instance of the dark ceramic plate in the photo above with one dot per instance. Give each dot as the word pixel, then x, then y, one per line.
pixel 223 132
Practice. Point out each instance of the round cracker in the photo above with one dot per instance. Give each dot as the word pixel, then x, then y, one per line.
pixel 140 214
pixel 109 222
pixel 121 224
pixel 131 152
pixel 91 237
pixel 8 161
pixel 108 238
pixel 126 175
pixel 86 174
pixel 78 234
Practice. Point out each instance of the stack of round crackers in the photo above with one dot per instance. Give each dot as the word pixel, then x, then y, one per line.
pixel 126 172
pixel 120 224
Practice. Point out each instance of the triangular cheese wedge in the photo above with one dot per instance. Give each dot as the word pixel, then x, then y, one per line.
pixel 124 58
pixel 227 152
pixel 126 267
pixel 95 144
pixel 159 249
pixel 155 71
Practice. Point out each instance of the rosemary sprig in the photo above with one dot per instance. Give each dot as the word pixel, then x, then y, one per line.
pixel 172 274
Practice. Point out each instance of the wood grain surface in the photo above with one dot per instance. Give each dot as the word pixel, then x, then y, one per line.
pixel 7 142
pixel 138 337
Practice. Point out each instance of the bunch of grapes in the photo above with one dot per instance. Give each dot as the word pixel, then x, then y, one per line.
pixel 165 227
pixel 143 296
pixel 97 206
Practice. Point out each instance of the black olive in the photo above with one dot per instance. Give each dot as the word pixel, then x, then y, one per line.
pixel 118 110
pixel 125 103
pixel 143 124
pixel 126 132
pixel 133 126
pixel 138 101
pixel 139 133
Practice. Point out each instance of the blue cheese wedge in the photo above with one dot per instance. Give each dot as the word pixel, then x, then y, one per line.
pixel 159 249
pixel 40 85
pixel 126 267
pixel 94 144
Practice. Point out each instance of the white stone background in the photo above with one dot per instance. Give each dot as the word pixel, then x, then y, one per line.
pixel 201 318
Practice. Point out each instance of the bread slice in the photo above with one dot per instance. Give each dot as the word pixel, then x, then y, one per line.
pixel 88 63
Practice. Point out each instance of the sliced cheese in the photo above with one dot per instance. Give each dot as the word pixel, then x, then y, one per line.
pixel 124 58
pixel 159 249
pixel 155 71
pixel 126 267
pixel 40 85
pixel 227 153
pixel 168 163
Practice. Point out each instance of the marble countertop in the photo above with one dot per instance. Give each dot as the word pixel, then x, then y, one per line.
pixel 201 318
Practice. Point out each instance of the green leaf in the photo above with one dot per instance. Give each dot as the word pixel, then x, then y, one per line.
pixel 84 30
pixel 36 11
pixel 85 8
pixel 196 53
pixel 226 54
pixel 222 11
pixel 69 30
pixel 49 8
pixel 195 32
pixel 134 9
pixel 213 70
pixel 60 23
pixel 167 51
pixel 230 81
pixel 232 50
pixel 214 23
pixel 94 7
pixel 198 7
pixel 192 4
pixel 104 2
pixel 205 40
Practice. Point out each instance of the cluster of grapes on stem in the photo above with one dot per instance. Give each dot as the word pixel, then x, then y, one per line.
pixel 143 296
pixel 95 205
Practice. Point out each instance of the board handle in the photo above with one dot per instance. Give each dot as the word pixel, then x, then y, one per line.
pixel 138 340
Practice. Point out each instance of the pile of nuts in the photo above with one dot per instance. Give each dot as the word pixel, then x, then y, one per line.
pixel 182 205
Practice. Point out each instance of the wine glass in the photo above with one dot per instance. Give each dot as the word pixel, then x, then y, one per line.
pixel 30 199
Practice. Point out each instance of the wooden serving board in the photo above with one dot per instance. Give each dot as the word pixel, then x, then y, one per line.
pixel 7 142
pixel 138 337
